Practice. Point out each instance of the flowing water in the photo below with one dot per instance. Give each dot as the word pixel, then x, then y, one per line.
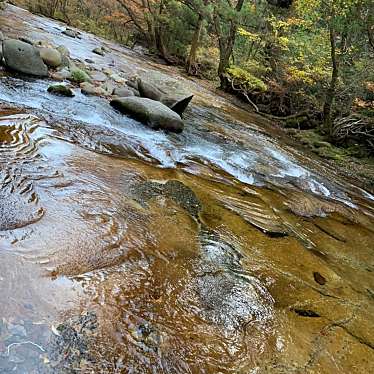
pixel 124 250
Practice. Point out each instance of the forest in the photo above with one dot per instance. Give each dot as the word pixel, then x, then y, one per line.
pixel 307 64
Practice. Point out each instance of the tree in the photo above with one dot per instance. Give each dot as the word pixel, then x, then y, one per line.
pixel 202 10
pixel 226 18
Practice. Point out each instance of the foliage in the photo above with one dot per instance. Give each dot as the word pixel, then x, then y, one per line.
pixel 245 79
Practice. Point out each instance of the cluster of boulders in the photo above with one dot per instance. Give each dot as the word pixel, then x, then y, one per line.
pixel 134 97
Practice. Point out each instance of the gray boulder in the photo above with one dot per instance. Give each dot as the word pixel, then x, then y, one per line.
pixel 51 57
pixel 23 58
pixel 123 92
pixel 150 112
pixel 149 91
pixel 178 105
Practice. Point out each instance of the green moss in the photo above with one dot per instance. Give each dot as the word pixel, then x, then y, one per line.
pixel 60 90
pixel 319 144
pixel 79 76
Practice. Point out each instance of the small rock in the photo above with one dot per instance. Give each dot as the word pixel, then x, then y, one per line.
pixel 61 74
pixel 51 57
pixel 99 51
pixel 89 89
pixel 320 279
pixel 71 33
pixel 108 71
pixel 61 90
pixel 108 87
pixel 89 61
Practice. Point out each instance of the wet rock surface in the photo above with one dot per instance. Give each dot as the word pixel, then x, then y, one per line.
pixel 125 250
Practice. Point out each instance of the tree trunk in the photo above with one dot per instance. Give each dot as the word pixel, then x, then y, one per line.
pixel 330 95
pixel 191 60
pixel 226 44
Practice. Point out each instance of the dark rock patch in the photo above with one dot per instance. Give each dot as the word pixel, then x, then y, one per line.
pixel 320 279
pixel 306 313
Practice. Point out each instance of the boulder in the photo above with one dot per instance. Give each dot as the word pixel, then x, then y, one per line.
pixel 149 91
pixel 91 90
pixel 123 92
pixel 150 112
pixel 51 57
pixel 23 58
pixel 178 105
pixel 61 90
